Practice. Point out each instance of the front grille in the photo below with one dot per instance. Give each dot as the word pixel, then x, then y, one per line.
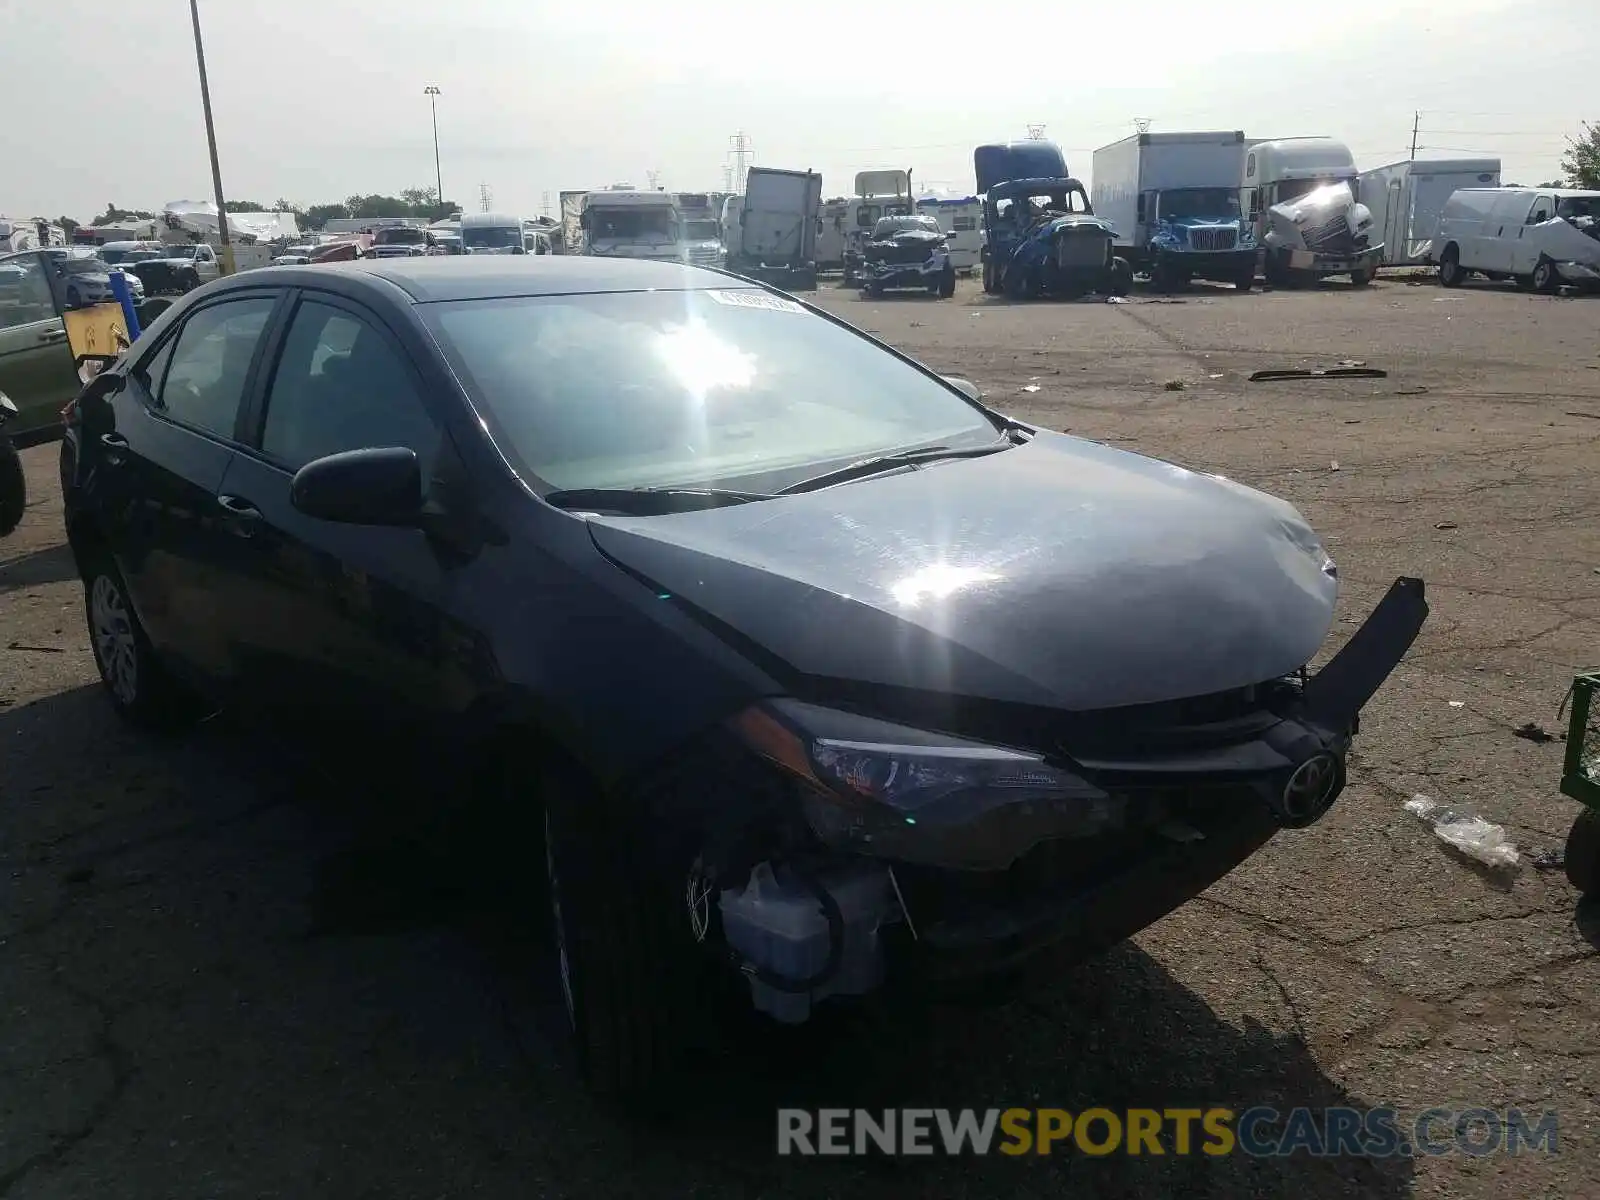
pixel 1078 251
pixel 898 253
pixel 1335 235
pixel 1214 239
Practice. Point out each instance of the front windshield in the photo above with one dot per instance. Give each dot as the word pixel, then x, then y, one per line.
pixel 1293 189
pixel 701 231
pixel 1200 204
pixel 1573 207
pixel 656 389
pixel 491 237
pixel 175 252
pixel 606 224
pixel 120 254
pixel 83 266
pixel 399 237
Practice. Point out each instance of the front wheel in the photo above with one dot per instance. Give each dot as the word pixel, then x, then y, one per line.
pixel 140 688
pixel 190 281
pixel 13 487
pixel 1583 853
pixel 1121 282
pixel 1246 278
pixel 1363 276
pixel 633 977
pixel 988 278
pixel 1546 279
pixel 947 284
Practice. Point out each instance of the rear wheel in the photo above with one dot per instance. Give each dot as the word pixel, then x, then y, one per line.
pixel 13 487
pixel 1451 273
pixel 988 278
pixel 1121 277
pixel 140 688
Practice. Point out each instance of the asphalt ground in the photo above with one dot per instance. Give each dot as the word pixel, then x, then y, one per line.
pixel 227 969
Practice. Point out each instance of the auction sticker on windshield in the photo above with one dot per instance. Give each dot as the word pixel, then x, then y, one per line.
pixel 756 300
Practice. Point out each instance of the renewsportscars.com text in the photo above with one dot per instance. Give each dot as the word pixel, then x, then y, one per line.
pixel 1259 1132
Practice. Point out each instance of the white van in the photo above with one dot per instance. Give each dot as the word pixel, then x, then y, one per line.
pixel 1540 237
pixel 491 233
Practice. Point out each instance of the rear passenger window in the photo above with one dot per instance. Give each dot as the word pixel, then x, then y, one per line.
pixel 341 385
pixel 210 364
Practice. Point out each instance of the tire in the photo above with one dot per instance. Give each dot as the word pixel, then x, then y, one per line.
pixel 1121 277
pixel 140 688
pixel 1583 853
pixel 989 287
pixel 1162 277
pixel 189 281
pixel 947 284
pixel 1245 279
pixel 1363 277
pixel 633 981
pixel 1546 279
pixel 1451 274
pixel 13 487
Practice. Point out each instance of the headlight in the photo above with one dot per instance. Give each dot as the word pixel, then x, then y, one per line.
pixel 893 790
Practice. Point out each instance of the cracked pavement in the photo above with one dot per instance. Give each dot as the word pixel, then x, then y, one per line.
pixel 229 970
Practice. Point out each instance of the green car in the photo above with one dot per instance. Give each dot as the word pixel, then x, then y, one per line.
pixel 36 368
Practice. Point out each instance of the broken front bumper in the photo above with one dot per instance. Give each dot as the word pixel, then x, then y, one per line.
pixel 1086 853
pixel 897 275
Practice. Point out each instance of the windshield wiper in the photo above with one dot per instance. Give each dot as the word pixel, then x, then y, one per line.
pixel 880 463
pixel 649 501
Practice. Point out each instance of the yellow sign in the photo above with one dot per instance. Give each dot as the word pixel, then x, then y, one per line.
pixel 95 335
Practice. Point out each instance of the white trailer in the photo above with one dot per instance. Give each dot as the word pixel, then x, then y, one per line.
pixel 1173 200
pixel 1407 199
pixel 962 223
pixel 831 234
pixel 775 232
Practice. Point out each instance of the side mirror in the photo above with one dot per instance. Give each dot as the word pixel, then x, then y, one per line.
pixel 965 386
pixel 1140 212
pixel 361 487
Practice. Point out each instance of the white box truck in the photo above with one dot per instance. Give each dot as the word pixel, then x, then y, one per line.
pixel 627 223
pixel 1407 199
pixel 774 234
pixel 1303 198
pixel 1173 199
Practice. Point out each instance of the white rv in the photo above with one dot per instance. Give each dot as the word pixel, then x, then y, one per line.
pixel 1408 198
pixel 962 223
pixel 1539 237
pixel 620 223
pixel 1303 198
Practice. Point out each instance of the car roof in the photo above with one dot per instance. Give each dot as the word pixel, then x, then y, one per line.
pixel 482 277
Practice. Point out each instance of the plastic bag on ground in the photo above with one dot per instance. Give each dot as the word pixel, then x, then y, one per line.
pixel 1467 832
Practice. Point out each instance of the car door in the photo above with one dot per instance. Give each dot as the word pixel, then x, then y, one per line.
pixel 36 368
pixel 205 264
pixel 1526 248
pixel 330 618
pixel 151 472
pixel 1501 232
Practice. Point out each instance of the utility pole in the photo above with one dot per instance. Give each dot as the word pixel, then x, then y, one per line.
pixel 433 94
pixel 223 244
pixel 544 203
pixel 484 197
pixel 1141 124
pixel 1416 126
pixel 1035 133
pixel 654 177
pixel 741 158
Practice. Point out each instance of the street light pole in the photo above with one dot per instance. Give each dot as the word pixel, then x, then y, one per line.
pixel 433 94
pixel 224 245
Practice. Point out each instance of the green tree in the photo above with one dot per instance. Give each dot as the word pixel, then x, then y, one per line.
pixel 318 215
pixel 113 214
pixel 1581 162
pixel 67 225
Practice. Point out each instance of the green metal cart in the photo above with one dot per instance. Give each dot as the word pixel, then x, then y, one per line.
pixel 1580 779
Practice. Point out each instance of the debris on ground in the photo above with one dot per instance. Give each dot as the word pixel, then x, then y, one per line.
pixel 1466 831
pixel 1444 525
pixel 1174 385
pixel 1533 732
pixel 1030 387
pixel 1590 415
pixel 1417 390
pixel 1334 465
pixel 1458 704
pixel 1268 376
pixel 1547 860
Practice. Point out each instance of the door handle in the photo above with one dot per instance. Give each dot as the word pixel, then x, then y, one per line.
pixel 114 444
pixel 53 335
pixel 242 515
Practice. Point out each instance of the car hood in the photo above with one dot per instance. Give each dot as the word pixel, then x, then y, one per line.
pixel 1060 573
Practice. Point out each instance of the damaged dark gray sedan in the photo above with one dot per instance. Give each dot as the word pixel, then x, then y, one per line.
pixel 813 671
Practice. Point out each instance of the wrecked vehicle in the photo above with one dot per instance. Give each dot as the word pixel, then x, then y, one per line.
pixel 1540 237
pixel 1041 236
pixel 907 252
pixel 840 676
pixel 400 241
pixel 1303 196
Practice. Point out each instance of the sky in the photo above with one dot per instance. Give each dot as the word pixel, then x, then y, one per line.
pixel 317 99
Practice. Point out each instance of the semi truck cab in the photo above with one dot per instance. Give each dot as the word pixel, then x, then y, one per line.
pixel 1303 199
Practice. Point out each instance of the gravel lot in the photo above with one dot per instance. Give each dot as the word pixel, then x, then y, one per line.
pixel 225 972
